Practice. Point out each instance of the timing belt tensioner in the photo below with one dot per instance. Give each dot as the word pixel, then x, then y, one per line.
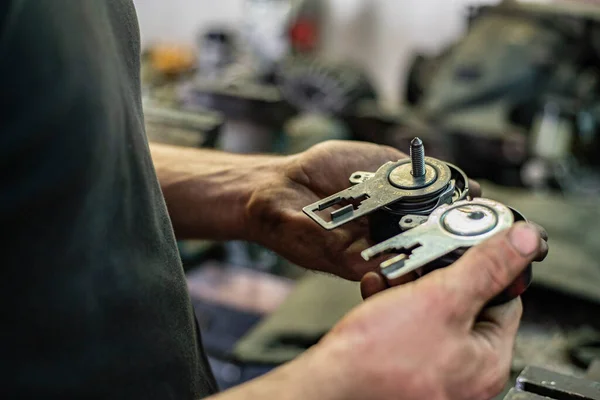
pixel 418 208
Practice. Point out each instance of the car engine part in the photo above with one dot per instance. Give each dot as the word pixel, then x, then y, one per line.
pixel 442 238
pixel 419 209
pixel 412 186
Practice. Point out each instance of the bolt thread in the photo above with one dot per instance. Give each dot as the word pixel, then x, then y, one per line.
pixel 417 157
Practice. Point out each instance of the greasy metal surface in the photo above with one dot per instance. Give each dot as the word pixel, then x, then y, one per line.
pixel 432 240
pixel 461 182
pixel 557 386
pixel 458 189
pixel 403 178
pixel 425 205
pixel 373 194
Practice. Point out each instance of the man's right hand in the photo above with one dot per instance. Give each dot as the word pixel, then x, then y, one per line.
pixel 427 339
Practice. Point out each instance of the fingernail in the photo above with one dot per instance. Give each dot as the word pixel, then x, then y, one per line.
pixel 525 239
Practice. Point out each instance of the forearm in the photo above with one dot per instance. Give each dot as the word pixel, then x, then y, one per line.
pixel 315 375
pixel 207 191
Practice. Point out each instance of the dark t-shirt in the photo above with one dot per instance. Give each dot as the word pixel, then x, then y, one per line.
pixel 93 296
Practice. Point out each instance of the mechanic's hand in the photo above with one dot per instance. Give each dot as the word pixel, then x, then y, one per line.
pixel 430 339
pixel 275 212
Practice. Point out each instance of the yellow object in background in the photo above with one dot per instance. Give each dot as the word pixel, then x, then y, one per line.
pixel 172 59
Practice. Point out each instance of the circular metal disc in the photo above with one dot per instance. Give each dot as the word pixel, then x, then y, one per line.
pixel 437 176
pixel 402 177
pixel 470 220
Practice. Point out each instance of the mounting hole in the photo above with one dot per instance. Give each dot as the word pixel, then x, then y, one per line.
pixel 477 215
pixel 357 176
pixel 408 220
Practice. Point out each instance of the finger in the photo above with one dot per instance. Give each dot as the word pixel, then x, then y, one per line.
pixel 474 188
pixel 487 269
pixel 541 230
pixel 495 334
pixel 371 284
pixel 543 252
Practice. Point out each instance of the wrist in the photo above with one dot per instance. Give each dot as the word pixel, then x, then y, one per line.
pixel 207 191
pixel 266 188
pixel 330 375
pixel 313 375
pixel 227 192
pixel 260 173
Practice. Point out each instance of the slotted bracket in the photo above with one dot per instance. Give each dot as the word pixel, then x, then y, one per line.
pixel 371 192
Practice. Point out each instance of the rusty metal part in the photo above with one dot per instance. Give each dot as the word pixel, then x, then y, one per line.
pixel 385 223
pixel 416 185
pixel 441 239
pixel 389 186
pixel 544 384
pixel 403 177
pixel 449 228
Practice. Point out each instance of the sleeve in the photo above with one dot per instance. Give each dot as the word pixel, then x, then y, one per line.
pixel 56 150
pixel 42 117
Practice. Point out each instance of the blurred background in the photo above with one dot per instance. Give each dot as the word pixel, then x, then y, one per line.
pixel 507 90
pixel 364 31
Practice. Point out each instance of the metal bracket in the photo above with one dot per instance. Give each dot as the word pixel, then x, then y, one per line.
pixel 372 193
pixel 450 227
pixel 536 383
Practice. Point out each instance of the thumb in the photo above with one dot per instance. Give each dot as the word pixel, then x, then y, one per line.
pixel 489 268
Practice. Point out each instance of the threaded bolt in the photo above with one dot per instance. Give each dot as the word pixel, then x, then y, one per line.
pixel 417 157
